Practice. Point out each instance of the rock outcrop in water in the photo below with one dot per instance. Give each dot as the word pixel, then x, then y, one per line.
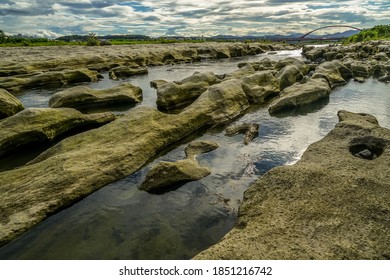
pixel 171 175
pixel 9 104
pixel 261 86
pixel 300 94
pixel 362 59
pixel 43 125
pixel 331 204
pixel 83 163
pixel 47 79
pixel 177 95
pixel 83 97
pixel 125 72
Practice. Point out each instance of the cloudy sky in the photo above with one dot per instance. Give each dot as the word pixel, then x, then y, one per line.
pixel 52 18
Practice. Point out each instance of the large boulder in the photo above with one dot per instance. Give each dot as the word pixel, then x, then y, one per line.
pixel 201 77
pixel 241 72
pixel 329 71
pixel 263 64
pixel 125 72
pixel 42 125
pixel 314 54
pixel 177 95
pixel 303 68
pixel 165 176
pixel 173 96
pixel 82 97
pixel 260 86
pixel 331 204
pixel 288 76
pixel 360 69
pixel 299 95
pixel 9 104
pixel 81 164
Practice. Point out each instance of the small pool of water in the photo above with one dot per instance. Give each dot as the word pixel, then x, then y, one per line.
pixel 121 222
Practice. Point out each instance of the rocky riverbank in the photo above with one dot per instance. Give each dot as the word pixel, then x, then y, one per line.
pixel 332 204
pixel 83 163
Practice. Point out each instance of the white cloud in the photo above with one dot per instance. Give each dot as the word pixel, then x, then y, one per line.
pixel 187 17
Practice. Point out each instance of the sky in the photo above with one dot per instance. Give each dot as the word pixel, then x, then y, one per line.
pixel 53 18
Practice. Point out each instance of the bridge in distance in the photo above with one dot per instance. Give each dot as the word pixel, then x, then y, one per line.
pixel 305 38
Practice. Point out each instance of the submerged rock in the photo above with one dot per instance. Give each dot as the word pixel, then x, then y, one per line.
pixel 329 205
pixel 199 147
pixel 81 164
pixel 43 125
pixel 299 95
pixel 82 97
pixel 169 175
pixel 251 130
pixel 9 104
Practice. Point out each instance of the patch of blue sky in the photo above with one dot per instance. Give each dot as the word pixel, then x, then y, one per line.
pixel 138 7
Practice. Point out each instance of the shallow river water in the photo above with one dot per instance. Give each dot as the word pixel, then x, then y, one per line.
pixel 121 222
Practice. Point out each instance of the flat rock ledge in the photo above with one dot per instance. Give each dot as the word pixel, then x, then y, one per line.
pixel 82 97
pixel 331 204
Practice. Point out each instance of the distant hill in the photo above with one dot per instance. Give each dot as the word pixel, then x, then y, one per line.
pixel 82 38
pixel 378 32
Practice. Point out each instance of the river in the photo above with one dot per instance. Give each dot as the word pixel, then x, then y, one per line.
pixel 121 222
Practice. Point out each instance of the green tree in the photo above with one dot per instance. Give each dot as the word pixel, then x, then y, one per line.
pixel 92 40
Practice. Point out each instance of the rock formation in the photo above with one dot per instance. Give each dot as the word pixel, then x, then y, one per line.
pixel 9 104
pixel 177 95
pixel 81 164
pixel 82 97
pixel 43 125
pixel 251 130
pixel 331 204
pixel 299 95
pixel 168 175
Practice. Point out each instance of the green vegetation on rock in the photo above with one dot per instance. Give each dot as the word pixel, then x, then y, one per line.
pixel 378 32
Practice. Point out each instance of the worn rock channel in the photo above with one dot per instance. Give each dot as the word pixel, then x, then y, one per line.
pixel 281 96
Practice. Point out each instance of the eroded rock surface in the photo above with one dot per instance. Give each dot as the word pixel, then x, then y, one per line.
pixel 48 79
pixel 43 125
pixel 82 97
pixel 331 204
pixel 299 95
pixel 83 163
pixel 9 104
pixel 125 72
pixel 177 95
pixel 169 175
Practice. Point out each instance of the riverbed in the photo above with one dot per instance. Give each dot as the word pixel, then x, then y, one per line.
pixel 121 222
